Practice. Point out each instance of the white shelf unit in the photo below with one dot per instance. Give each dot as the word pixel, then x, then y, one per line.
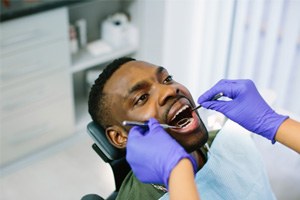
pixel 38 106
pixel 36 101
pixel 84 60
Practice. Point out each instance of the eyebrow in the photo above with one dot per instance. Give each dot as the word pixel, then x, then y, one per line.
pixel 143 84
pixel 159 70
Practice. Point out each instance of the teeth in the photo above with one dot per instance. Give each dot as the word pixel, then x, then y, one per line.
pixel 186 123
pixel 179 111
pixel 183 122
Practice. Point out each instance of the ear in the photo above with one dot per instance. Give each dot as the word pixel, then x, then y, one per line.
pixel 117 136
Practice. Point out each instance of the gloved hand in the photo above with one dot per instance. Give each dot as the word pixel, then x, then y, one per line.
pixel 247 107
pixel 152 153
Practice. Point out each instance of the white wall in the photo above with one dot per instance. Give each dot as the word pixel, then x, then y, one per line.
pixel 183 41
pixel 149 16
pixel 196 44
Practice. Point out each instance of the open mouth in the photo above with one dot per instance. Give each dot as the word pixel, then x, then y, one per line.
pixel 183 117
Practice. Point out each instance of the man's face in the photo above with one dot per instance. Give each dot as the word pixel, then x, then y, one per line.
pixel 138 91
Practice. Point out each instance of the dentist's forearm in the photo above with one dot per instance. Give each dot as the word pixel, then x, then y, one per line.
pixel 181 182
pixel 288 134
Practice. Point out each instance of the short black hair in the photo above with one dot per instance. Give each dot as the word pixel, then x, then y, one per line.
pixel 98 106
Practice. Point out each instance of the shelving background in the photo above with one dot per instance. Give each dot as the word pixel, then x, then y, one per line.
pixel 94 12
pixel 36 109
pixel 84 60
pixel 43 87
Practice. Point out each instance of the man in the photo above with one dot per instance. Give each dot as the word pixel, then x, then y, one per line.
pixel 137 91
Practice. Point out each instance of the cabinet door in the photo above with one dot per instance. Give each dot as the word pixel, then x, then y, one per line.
pixel 36 101
pixel 33 129
pixel 28 32
pixel 33 63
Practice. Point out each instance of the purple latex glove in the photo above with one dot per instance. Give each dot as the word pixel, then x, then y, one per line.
pixel 152 153
pixel 247 107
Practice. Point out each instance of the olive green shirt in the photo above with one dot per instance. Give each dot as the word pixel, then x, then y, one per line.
pixel 133 189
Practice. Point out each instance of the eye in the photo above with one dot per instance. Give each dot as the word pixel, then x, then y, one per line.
pixel 142 99
pixel 169 79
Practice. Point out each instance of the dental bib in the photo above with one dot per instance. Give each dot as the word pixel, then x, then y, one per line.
pixel 234 169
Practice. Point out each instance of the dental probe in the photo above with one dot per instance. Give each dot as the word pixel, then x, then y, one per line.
pixel 144 124
pixel 213 99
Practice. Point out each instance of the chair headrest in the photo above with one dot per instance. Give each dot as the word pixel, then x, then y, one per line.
pixel 98 134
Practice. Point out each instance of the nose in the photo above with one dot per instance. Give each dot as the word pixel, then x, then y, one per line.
pixel 166 93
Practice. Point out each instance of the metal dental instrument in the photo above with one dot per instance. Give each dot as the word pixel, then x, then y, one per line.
pixel 217 96
pixel 144 124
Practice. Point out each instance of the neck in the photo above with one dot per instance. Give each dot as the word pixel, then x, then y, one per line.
pixel 199 157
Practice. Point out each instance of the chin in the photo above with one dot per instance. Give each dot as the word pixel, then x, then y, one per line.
pixel 193 140
pixel 196 142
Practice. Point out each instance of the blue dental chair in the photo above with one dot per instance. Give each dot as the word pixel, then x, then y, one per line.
pixel 109 154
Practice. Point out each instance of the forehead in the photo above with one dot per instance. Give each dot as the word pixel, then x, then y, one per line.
pixel 129 74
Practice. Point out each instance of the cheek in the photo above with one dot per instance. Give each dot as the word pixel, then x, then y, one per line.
pixel 119 116
pixel 185 91
pixel 143 113
pixel 137 117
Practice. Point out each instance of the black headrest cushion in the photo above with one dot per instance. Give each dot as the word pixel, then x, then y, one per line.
pixel 99 136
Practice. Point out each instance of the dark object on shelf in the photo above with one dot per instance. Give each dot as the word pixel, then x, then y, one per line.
pixel 11 9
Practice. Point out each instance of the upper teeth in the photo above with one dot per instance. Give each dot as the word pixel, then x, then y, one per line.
pixel 179 111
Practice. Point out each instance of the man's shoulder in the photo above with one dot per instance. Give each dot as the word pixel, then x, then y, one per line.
pixel 133 189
